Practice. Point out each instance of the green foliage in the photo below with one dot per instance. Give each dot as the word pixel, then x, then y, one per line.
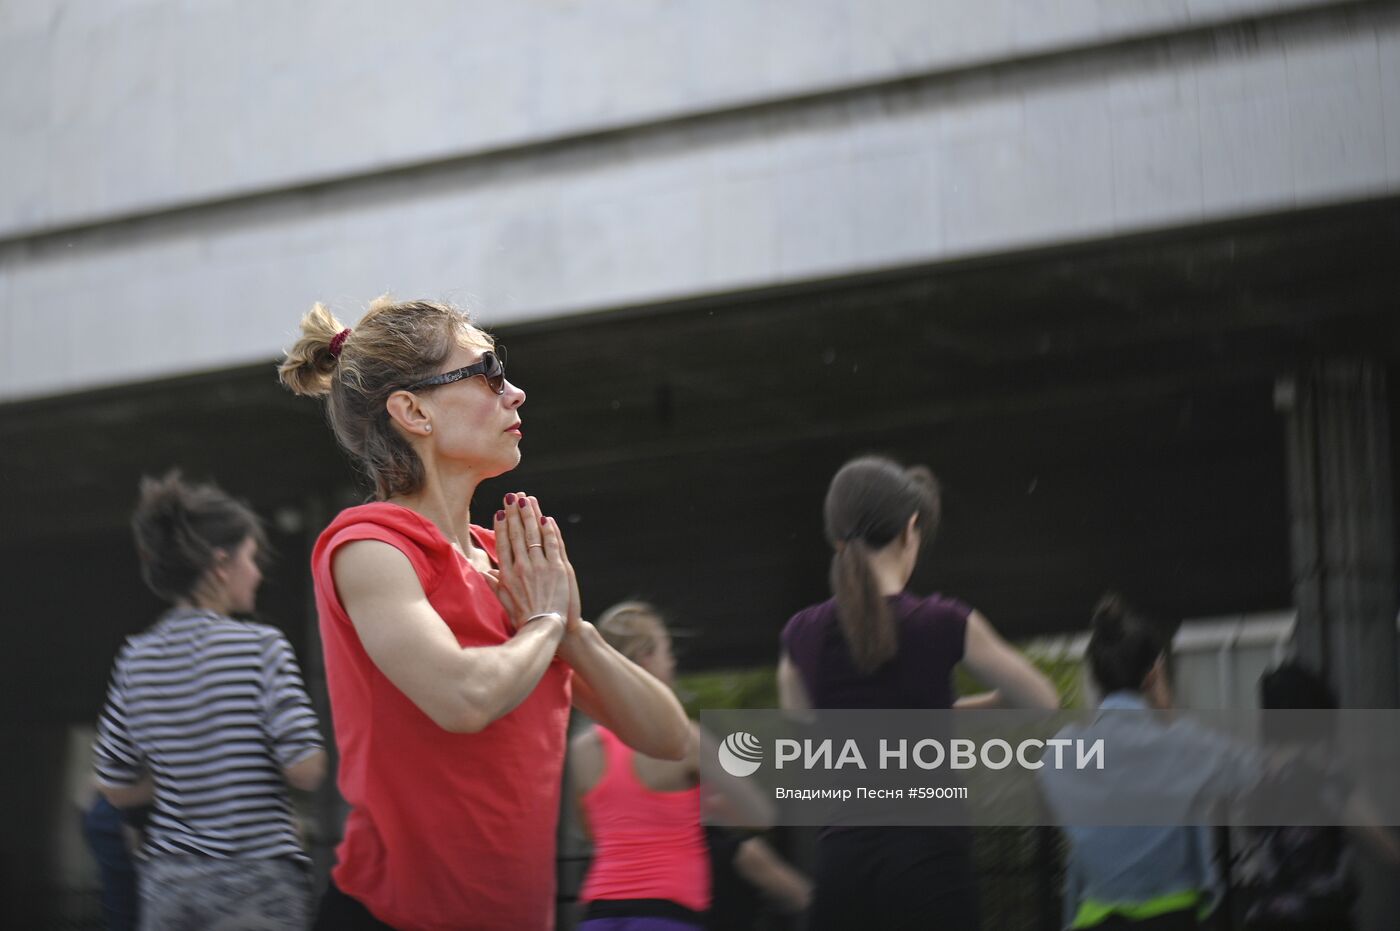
pixel 725 689
pixel 757 687
pixel 1066 674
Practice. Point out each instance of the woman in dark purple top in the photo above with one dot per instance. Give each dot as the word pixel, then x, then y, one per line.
pixel 874 645
pixel 931 632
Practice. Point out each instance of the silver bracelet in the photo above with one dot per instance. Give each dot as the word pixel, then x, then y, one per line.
pixel 536 617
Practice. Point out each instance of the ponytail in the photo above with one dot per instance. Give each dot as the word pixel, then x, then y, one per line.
pixel 309 367
pixel 864 615
pixel 868 506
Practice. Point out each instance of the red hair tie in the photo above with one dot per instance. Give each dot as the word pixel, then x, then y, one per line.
pixel 338 342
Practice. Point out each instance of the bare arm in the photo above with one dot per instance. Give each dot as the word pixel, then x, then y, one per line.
pixel 980 701
pixel 121 772
pixel 624 697
pixel 289 720
pixel 1366 824
pixel 777 879
pixel 792 695
pixel 1018 684
pixel 132 796
pixel 461 689
pixel 1381 843
pixel 307 773
pixel 608 687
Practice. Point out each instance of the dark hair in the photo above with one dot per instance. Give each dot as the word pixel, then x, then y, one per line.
pixel 1123 646
pixel 867 506
pixel 179 527
pixel 1292 686
pixel 1295 686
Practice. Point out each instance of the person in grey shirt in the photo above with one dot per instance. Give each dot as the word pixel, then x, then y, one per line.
pixel 1162 878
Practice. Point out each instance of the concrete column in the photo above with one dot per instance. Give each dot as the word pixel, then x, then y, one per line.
pixel 1342 527
pixel 1343 546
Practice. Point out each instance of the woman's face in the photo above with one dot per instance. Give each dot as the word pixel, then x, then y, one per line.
pixel 913 541
pixel 472 424
pixel 1157 687
pixel 659 660
pixel 238 575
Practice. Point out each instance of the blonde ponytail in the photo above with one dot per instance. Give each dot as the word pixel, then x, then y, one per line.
pixel 310 364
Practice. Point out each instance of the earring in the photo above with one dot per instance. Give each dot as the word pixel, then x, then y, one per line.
pixel 427 428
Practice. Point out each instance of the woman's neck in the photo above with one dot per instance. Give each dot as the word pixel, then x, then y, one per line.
pixel 203 602
pixel 891 570
pixel 449 507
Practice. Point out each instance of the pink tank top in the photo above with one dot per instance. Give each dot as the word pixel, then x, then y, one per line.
pixel 646 844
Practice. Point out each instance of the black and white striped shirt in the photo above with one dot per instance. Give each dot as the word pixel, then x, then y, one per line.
pixel 213 709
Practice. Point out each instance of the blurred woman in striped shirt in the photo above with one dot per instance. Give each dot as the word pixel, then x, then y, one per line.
pixel 207 719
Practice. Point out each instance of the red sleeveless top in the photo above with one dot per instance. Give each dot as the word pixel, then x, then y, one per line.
pixel 646 844
pixel 445 831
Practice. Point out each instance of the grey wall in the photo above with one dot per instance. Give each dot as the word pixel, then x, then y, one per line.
pixel 537 162
pixel 130 105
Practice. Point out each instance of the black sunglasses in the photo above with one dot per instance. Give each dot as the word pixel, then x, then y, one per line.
pixel 492 366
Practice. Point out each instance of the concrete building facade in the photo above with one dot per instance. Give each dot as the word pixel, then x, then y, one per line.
pixel 180 178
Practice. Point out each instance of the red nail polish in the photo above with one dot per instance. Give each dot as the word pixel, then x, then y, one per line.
pixel 500 516
pixel 544 521
pixel 522 502
pixel 510 499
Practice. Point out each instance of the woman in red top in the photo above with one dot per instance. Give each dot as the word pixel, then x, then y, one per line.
pixel 451 663
pixel 651 866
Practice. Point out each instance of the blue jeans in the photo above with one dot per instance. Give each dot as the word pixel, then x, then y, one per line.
pixel 102 829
